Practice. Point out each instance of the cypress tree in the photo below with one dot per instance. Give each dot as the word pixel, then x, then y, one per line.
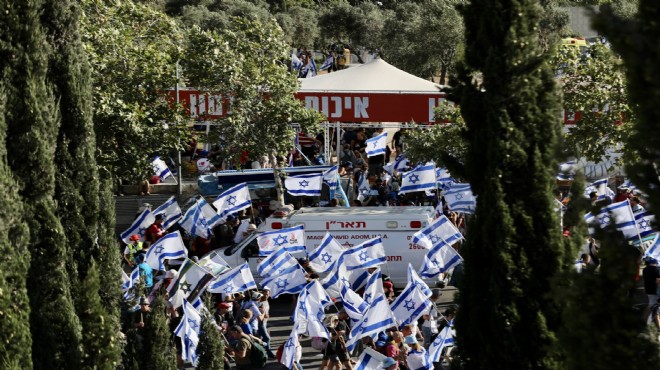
pixel 158 352
pixel 33 124
pixel 211 349
pixel 636 40
pixel 14 256
pixel 513 249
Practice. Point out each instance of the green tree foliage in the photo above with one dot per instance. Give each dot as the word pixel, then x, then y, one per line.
pixel 211 348
pixel 32 124
pixel 300 27
pixel 248 62
pixel 593 84
pixel 133 50
pixel 443 143
pixel 15 350
pixel 101 348
pixel 636 41
pixel 158 352
pixel 216 15
pixel 512 252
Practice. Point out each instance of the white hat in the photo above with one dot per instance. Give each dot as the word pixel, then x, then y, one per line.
pixel 256 295
pixel 251 227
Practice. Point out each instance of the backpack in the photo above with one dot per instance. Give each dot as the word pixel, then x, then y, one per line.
pixel 319 343
pixel 258 355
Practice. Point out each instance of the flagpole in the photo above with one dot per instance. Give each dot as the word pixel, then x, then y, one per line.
pixel 176 88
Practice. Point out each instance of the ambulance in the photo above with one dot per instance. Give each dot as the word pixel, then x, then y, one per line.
pixel 350 227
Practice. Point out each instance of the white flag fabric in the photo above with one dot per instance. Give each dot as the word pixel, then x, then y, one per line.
pixel 370 360
pixel 373 287
pixel 191 283
pixel 169 246
pixel 441 258
pixel 171 212
pixel 420 178
pixel 331 177
pixel 440 230
pixel 363 186
pixel 214 263
pixel 567 171
pixel 324 256
pixel 378 318
pixel 410 305
pixel 309 185
pixel 414 279
pixel 645 221
pixel 277 263
pixel 389 168
pixel 353 304
pixel 290 347
pixel 309 311
pixel 443 340
pixel 401 163
pixel 620 214
pixel 339 276
pixel 236 280
pixel 233 200
pixel 654 250
pixel 188 330
pixel 443 176
pixel 376 145
pixel 419 360
pixel 199 219
pixel 139 226
pixel 459 198
pixel 292 282
pixel 368 254
pixel 601 188
pixel 292 239
pixel 130 282
pixel 160 168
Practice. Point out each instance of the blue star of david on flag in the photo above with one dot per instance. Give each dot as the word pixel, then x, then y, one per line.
pixel 435 239
pixel 280 240
pixel 231 200
pixel 159 249
pixel 303 183
pixel 414 178
pixel 605 220
pixel 185 287
pixel 409 305
pixel 193 323
pixel 644 224
pixel 282 283
pixel 367 297
pixel 326 257
pixel 459 196
pixel 363 255
pixel 229 288
pixel 289 343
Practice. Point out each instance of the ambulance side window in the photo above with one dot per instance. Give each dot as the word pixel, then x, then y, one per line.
pixel 250 250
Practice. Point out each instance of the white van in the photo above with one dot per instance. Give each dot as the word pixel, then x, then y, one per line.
pixel 350 226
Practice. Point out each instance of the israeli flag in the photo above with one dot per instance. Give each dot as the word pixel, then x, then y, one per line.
pixel 645 221
pixel 130 283
pixel 353 304
pixel 410 305
pixel 420 178
pixel 309 185
pixel 188 330
pixel 376 145
pixel 233 200
pixel 389 168
pixel 443 340
pixel 331 177
pixel 370 360
pixel 379 317
pixel 443 176
pixel 328 63
pixel 340 276
pixel 440 230
pixel 415 280
pixel 139 226
pixel 170 246
pixel 296 63
pixel 191 283
pixel 292 239
pixel 401 163
pixel 329 251
pixel 200 219
pixel 171 212
pixel 214 263
pixel 601 188
pixel 441 258
pixel 292 282
pixel 279 262
pixel 419 360
pixel 363 185
pixel 567 171
pixel 289 352
pixel 654 250
pixel 368 254
pixel 620 214
pixel 459 198
pixel 236 280
pixel 310 310
pixel 374 287
pixel 160 168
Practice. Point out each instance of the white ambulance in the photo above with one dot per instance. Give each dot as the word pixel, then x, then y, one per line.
pixel 350 227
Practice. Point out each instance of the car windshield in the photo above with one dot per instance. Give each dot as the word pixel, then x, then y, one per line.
pixel 250 241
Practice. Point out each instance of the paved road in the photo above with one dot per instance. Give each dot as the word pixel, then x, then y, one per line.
pixel 280 327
